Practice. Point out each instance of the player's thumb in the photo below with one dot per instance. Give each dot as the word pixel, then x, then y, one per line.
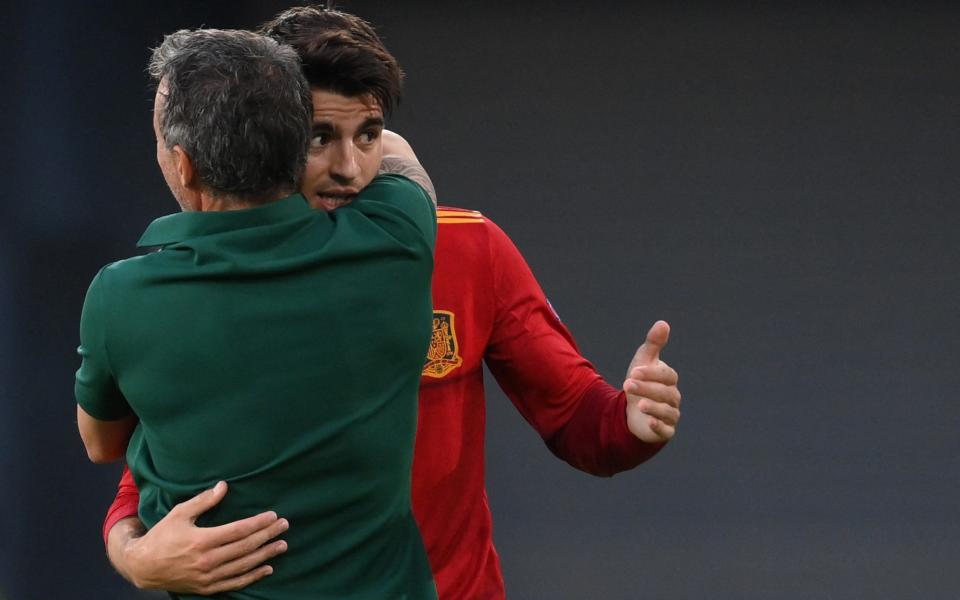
pixel 203 501
pixel 649 351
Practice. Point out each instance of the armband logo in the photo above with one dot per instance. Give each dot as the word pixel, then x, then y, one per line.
pixel 443 353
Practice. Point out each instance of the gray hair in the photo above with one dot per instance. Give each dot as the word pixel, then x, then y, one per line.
pixel 239 106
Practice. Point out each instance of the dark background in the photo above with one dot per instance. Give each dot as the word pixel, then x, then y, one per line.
pixel 778 183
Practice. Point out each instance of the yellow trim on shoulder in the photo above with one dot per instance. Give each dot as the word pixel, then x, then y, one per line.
pixel 452 221
pixel 458 213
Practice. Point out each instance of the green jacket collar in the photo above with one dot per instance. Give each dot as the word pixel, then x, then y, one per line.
pixel 185 225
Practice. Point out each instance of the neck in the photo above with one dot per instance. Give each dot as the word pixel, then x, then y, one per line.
pixel 210 203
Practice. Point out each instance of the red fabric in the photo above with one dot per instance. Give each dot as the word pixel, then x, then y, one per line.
pixel 124 505
pixel 488 306
pixel 596 440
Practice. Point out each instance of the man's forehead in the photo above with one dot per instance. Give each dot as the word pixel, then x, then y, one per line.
pixel 331 107
pixel 160 96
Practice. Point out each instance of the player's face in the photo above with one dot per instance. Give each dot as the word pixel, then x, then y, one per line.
pixel 165 156
pixel 345 149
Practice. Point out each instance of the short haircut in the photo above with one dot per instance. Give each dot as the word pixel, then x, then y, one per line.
pixel 340 52
pixel 239 106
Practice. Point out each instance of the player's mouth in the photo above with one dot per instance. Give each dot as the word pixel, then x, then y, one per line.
pixel 331 200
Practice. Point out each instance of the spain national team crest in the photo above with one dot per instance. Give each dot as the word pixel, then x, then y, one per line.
pixel 443 354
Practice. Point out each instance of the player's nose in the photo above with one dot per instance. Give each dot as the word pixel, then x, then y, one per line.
pixel 345 164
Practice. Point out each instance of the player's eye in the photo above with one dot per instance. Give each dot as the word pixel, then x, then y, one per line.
pixel 319 140
pixel 368 137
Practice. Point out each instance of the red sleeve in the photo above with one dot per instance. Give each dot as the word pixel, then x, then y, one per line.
pixel 596 438
pixel 124 505
pixel 538 365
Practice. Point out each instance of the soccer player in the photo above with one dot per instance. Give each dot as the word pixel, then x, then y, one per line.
pixel 268 343
pixel 487 307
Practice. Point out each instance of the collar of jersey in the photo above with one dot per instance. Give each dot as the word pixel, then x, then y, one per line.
pixel 185 225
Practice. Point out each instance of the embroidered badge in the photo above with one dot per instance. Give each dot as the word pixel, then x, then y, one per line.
pixel 443 354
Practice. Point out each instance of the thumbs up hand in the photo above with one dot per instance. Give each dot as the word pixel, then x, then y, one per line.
pixel 653 399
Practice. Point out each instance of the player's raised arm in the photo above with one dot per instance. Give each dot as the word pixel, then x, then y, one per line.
pixel 582 418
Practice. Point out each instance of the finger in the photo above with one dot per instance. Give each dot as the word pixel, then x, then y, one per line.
pixel 660 372
pixel 649 350
pixel 249 562
pixel 656 392
pixel 202 502
pixel 229 533
pixel 666 432
pixel 238 582
pixel 248 544
pixel 658 410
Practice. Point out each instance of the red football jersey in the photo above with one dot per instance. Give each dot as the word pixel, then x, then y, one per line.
pixel 489 308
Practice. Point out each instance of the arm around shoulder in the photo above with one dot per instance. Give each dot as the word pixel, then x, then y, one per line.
pixel 398 203
pixel 399 158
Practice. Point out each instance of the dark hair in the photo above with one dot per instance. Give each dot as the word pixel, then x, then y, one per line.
pixel 340 52
pixel 238 104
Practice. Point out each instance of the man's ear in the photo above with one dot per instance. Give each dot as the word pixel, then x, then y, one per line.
pixel 185 169
pixel 191 196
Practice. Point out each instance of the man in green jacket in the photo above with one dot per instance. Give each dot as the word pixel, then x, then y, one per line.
pixel 266 344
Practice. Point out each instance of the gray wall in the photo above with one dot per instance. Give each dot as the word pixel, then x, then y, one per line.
pixel 777 183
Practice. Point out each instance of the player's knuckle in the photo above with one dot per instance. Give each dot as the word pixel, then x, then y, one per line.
pixel 204 565
pixel 233 532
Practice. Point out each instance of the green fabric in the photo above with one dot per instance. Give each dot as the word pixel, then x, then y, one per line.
pixel 278 348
